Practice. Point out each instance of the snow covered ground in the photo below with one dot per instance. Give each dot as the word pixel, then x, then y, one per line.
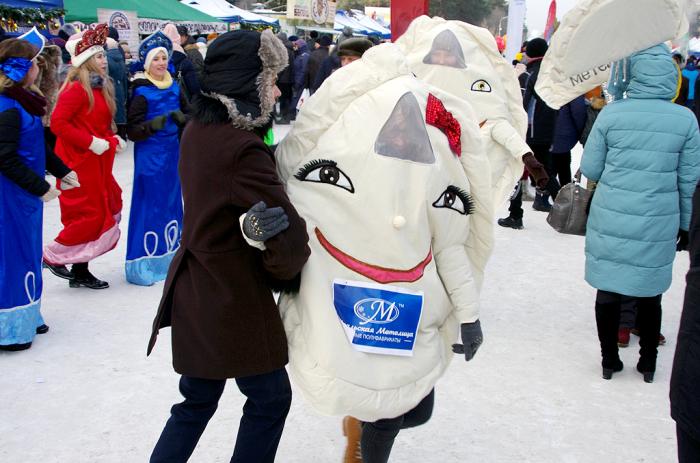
pixel 85 392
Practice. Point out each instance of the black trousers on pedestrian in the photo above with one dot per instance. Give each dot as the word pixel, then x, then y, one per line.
pixel 516 204
pixel 561 166
pixel 269 397
pixel 378 437
pixel 607 314
pixel 286 100
pixel 688 446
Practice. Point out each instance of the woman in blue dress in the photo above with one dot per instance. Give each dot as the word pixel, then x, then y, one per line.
pixel 24 157
pixel 156 114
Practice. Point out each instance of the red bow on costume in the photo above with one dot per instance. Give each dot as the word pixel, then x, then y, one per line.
pixel 92 37
pixel 437 116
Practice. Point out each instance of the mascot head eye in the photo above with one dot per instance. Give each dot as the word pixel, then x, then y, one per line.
pixel 481 86
pixel 325 171
pixel 456 199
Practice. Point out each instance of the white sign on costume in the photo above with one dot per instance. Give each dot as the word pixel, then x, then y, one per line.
pixel 516 23
pixel 596 33
pixel 125 22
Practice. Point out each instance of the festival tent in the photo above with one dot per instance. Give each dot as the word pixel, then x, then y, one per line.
pixel 228 13
pixel 360 25
pixel 85 11
pixel 595 34
pixel 47 4
pixel 371 24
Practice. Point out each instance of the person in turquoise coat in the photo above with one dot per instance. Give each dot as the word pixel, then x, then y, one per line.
pixel 644 152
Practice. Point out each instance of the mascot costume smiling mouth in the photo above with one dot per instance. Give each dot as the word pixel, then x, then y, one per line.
pixel 393 182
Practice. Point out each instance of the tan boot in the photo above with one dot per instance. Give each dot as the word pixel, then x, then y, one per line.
pixel 352 429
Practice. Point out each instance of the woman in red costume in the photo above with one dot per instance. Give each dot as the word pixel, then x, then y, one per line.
pixel 83 123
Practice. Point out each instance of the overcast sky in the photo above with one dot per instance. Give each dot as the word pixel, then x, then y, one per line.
pixel 537 12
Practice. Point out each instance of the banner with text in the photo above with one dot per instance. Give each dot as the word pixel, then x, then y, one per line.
pixel 322 12
pixel 125 22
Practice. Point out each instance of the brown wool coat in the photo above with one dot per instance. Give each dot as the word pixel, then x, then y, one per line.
pixel 217 297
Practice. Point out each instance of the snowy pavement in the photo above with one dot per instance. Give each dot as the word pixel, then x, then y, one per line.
pixel 85 392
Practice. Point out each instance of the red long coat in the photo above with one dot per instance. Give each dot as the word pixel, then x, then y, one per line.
pixel 90 214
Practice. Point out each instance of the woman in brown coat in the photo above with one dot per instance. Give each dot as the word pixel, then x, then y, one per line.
pixel 234 253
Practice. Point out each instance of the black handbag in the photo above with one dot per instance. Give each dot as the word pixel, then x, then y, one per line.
pixel 569 213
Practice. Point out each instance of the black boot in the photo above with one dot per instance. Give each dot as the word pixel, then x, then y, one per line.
pixel 511 222
pixel 59 270
pixel 43 329
pixel 83 277
pixel 607 317
pixel 649 324
pixel 541 202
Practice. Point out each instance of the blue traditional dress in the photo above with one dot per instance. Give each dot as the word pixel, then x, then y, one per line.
pixel 21 220
pixel 155 220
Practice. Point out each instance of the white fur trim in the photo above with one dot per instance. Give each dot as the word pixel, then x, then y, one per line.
pixel 85 55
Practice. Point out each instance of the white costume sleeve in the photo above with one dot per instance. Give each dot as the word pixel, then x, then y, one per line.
pixel 457 276
pixel 505 135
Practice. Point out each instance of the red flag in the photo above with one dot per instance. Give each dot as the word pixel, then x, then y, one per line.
pixel 551 19
pixel 403 12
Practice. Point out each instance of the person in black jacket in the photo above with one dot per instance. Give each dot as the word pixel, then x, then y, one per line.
pixel 685 377
pixel 541 121
pixel 315 61
pixel 184 71
pixel 285 82
pixel 571 121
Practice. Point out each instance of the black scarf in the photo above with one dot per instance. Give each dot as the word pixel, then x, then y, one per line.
pixel 31 102
pixel 96 81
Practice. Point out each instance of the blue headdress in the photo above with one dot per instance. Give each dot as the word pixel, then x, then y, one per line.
pixel 16 68
pixel 35 38
pixel 156 40
pixel 153 41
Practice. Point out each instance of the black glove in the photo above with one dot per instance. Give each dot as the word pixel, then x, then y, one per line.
pixel 472 337
pixel 536 169
pixel 261 223
pixel 179 117
pixel 158 123
pixel 682 242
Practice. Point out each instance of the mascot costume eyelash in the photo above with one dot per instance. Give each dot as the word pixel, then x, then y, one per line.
pixel 463 60
pixel 392 180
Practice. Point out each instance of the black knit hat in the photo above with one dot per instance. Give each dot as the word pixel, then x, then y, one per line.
pixel 240 71
pixel 536 48
pixel 354 47
pixel 113 34
pixel 325 41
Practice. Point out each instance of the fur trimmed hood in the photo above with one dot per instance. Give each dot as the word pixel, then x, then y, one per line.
pixel 239 76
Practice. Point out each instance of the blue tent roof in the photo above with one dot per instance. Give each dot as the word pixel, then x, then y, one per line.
pixel 48 4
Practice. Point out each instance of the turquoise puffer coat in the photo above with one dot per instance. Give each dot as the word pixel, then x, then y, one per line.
pixel 644 151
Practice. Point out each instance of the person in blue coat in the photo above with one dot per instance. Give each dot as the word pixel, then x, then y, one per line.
pixel 156 114
pixel 24 157
pixel 644 152
pixel 116 67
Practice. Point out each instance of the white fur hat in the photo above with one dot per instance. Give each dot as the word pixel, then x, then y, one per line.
pixel 152 53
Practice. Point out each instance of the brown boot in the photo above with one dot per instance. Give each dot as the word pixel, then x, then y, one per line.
pixel 352 429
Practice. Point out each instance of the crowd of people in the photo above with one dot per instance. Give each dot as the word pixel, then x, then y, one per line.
pixel 226 219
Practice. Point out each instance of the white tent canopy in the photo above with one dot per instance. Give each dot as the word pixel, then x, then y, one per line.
pixel 596 33
pixel 228 13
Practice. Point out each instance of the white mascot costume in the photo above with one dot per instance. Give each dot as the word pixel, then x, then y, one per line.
pixel 392 180
pixel 464 60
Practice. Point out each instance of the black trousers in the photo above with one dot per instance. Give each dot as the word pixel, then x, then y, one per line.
pixel 286 100
pixel 264 413
pixel 561 166
pixel 688 446
pixel 607 313
pixel 378 437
